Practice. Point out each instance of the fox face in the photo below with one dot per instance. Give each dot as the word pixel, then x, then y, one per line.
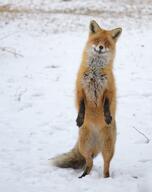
pixel 101 45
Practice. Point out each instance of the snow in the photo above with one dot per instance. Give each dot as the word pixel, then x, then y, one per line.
pixel 37 107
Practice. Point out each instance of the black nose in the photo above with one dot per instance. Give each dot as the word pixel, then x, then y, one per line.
pixel 100 47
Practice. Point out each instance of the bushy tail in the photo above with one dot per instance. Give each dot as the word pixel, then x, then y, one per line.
pixel 72 159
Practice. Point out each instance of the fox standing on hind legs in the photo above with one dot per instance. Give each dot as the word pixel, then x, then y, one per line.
pixel 96 103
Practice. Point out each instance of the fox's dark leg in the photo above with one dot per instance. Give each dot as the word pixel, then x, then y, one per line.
pixel 81 113
pixel 107 114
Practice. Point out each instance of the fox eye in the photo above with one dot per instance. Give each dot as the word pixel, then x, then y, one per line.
pixel 107 44
pixel 96 42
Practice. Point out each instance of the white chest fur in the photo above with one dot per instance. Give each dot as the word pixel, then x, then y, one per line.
pixel 94 84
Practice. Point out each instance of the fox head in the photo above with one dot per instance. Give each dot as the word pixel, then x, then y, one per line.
pixel 101 45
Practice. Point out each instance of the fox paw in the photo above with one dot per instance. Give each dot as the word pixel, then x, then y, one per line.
pixel 106 175
pixel 108 119
pixel 79 121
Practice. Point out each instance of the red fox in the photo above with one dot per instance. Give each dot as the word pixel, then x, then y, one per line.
pixel 96 103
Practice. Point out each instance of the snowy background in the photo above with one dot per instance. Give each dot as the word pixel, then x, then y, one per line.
pixel 40 52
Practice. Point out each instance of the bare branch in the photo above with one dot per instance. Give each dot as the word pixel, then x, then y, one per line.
pixel 10 50
pixel 147 139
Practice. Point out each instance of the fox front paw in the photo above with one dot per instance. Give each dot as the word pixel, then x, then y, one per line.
pixel 79 121
pixel 108 119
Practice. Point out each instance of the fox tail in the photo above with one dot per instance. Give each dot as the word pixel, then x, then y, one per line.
pixel 72 159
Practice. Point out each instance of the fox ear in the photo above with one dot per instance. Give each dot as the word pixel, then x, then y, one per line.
pixel 116 33
pixel 94 27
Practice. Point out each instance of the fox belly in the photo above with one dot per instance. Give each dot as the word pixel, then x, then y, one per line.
pixel 90 139
pixel 94 84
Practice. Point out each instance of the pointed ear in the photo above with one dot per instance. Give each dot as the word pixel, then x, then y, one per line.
pixel 116 33
pixel 94 27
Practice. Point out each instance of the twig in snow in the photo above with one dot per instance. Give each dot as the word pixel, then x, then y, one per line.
pixel 19 96
pixel 10 50
pixel 147 139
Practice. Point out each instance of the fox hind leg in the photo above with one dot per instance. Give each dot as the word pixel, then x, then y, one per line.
pixel 107 153
pixel 86 149
pixel 89 164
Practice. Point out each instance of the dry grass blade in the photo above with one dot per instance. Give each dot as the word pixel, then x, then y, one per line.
pixel 147 139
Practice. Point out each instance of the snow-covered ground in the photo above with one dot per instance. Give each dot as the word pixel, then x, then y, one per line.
pixel 37 109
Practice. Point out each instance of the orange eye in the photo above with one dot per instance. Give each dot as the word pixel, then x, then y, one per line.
pixel 96 42
pixel 107 44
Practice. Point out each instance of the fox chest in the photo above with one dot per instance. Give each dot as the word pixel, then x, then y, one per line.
pixel 94 83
